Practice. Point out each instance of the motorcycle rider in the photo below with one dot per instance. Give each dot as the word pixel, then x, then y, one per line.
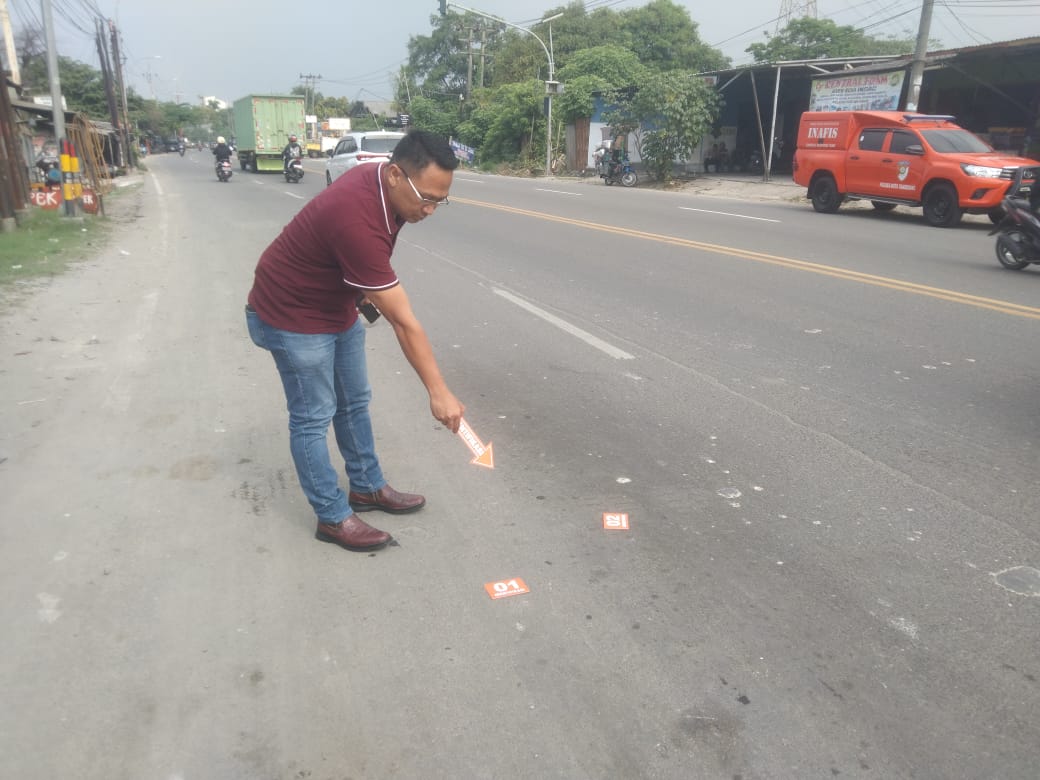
pixel 600 155
pixel 616 157
pixel 222 151
pixel 292 151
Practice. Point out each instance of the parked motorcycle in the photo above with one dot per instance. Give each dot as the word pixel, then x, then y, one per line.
pixel 1018 233
pixel 224 170
pixel 294 170
pixel 612 171
pixel 50 170
pixel 755 162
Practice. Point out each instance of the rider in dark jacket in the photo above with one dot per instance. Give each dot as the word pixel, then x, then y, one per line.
pixel 292 151
pixel 222 151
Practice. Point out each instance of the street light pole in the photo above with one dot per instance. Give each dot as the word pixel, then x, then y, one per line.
pixel 551 81
pixel 550 90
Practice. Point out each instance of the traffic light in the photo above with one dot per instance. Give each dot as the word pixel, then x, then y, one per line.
pixel 444 7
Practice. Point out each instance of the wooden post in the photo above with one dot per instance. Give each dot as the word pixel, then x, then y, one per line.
pixel 16 182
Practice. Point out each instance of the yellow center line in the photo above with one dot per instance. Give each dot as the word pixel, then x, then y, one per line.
pixel 1004 307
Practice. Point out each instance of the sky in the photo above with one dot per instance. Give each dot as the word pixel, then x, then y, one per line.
pixel 183 50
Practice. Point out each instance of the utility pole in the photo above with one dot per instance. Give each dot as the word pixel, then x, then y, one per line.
pixel 483 51
pixel 12 53
pixel 469 69
pixel 309 80
pixel 14 186
pixel 913 94
pixel 148 78
pixel 110 95
pixel 56 106
pixel 131 154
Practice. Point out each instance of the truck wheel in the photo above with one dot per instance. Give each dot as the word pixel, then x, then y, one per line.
pixel 880 205
pixel 825 196
pixel 940 206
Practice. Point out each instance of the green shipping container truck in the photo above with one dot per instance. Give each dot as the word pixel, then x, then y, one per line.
pixel 262 125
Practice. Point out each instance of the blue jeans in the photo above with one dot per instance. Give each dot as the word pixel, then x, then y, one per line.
pixel 326 380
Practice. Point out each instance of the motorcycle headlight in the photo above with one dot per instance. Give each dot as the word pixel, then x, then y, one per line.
pixel 982 171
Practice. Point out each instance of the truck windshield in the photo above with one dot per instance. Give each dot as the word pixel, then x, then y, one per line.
pixel 953 141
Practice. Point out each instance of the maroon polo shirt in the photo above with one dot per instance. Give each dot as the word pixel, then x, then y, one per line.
pixel 337 246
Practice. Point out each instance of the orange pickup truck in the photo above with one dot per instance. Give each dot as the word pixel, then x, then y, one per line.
pixel 894 158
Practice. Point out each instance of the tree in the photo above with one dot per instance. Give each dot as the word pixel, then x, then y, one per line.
pixel 596 70
pixel 665 38
pixel 208 122
pixel 520 56
pixel 504 121
pixel 614 64
pixel 81 85
pixel 592 52
pixel 30 45
pixel 577 30
pixel 669 113
pixel 437 63
pixel 325 107
pixel 430 115
pixel 810 39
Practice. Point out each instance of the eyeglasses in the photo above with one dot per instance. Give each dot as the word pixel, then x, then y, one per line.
pixel 426 201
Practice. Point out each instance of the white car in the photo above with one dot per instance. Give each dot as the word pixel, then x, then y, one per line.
pixel 355 149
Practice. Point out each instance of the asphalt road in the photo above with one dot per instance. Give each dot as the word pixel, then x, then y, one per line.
pixel 822 429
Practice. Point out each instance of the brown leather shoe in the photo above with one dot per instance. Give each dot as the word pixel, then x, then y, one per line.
pixel 352 534
pixel 387 499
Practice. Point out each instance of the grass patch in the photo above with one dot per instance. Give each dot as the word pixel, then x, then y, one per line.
pixel 46 243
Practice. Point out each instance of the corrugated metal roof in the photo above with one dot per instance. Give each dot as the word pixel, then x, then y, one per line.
pixel 868 64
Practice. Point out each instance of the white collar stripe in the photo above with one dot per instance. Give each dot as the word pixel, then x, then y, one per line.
pixel 382 198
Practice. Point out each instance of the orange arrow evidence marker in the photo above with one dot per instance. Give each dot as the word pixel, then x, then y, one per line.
pixel 483 455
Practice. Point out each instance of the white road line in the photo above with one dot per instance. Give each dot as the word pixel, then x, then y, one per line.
pixel 294 195
pixel 727 214
pixel 556 192
pixel 566 327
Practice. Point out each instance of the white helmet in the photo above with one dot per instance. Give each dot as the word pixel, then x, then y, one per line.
pixel 220 139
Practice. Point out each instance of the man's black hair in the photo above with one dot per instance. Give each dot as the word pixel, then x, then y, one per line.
pixel 420 148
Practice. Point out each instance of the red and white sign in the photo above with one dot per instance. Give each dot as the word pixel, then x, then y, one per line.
pixel 90 201
pixel 615 521
pixel 46 199
pixel 506 588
